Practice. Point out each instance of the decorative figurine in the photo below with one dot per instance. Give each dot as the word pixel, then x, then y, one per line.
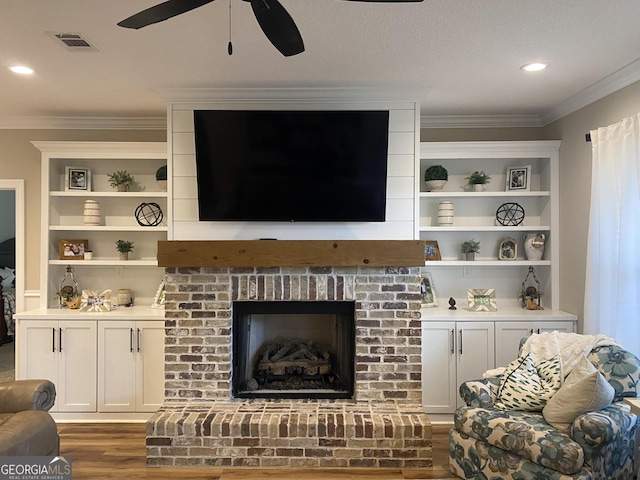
pixel 452 303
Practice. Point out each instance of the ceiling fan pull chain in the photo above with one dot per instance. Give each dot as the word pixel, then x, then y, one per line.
pixel 229 46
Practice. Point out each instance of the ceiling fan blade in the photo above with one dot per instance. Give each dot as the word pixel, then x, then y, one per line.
pixel 278 26
pixel 161 12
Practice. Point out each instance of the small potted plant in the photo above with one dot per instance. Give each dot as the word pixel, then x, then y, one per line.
pixel 124 247
pixel 477 180
pixel 121 180
pixel 435 178
pixel 69 295
pixel 161 178
pixel 470 248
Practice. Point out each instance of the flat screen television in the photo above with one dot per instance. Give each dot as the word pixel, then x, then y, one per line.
pixel 293 166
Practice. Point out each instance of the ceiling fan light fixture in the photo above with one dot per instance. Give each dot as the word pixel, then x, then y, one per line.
pixel 534 67
pixel 21 69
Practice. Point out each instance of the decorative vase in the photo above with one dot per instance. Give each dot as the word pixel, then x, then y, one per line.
pixel 124 255
pixel 445 213
pixel 91 214
pixel 534 246
pixel 435 185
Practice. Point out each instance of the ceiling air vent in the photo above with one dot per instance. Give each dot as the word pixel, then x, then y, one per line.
pixel 74 42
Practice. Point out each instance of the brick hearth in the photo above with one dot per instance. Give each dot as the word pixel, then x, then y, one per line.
pixel 200 424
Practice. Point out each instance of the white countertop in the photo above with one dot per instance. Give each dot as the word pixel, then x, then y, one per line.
pixel 137 312
pixel 504 313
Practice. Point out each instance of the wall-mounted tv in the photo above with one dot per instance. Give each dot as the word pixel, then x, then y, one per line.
pixel 293 166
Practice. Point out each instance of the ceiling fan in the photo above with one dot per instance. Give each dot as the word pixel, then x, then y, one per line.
pixel 276 23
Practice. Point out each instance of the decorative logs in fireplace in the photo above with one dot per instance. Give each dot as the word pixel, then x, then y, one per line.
pixel 293 365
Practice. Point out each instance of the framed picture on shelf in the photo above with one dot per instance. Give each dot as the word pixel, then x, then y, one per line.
pixel 72 249
pixel 428 292
pixel 482 300
pixel 431 250
pixel 519 178
pixel 96 301
pixel 508 249
pixel 76 178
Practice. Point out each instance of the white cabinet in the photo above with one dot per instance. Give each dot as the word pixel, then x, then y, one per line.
pixel 106 366
pixel 130 366
pixel 64 216
pixel 453 352
pixel 475 218
pixel 509 335
pixel 63 352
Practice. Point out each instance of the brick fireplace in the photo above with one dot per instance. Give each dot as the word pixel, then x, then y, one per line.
pixel 200 423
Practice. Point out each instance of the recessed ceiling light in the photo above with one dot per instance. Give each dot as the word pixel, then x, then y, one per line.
pixel 534 67
pixel 21 69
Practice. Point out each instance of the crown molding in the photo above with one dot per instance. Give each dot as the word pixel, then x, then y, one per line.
pixel 83 123
pixel 292 94
pixel 608 85
pixel 480 121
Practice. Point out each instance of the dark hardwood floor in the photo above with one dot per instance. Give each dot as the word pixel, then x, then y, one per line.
pixel 106 451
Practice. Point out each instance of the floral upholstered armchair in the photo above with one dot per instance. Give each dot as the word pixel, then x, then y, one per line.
pixel 501 443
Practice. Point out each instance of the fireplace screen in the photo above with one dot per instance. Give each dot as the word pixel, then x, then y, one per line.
pixel 293 349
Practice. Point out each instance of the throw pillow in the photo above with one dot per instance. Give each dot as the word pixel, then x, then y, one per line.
pixel 8 275
pixel 584 390
pixel 527 386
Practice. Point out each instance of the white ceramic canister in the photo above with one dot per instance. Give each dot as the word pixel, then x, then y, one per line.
pixel 91 212
pixel 445 213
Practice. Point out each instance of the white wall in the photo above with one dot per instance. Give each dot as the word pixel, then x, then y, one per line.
pixel 403 149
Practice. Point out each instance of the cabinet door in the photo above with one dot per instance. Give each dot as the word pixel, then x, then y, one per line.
pixel 149 366
pixel 116 366
pixel 439 389
pixel 37 352
pixel 560 326
pixel 77 372
pixel 475 352
pixel 509 335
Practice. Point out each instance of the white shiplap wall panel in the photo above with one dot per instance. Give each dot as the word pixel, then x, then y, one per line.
pixel 400 166
pixel 184 143
pixel 185 188
pixel 401 143
pixel 184 165
pixel 400 185
pixel 402 120
pixel 400 210
pixel 185 209
pixel 292 231
pixel 182 121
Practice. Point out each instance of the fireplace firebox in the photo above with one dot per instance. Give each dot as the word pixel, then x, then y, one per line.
pixel 293 349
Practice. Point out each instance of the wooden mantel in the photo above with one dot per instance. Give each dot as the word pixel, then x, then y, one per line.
pixel 291 253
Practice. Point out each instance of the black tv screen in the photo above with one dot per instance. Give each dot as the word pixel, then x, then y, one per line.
pixel 316 166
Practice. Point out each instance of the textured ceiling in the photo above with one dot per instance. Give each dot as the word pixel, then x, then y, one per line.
pixel 463 54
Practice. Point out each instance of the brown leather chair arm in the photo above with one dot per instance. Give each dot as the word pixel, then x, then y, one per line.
pixel 27 395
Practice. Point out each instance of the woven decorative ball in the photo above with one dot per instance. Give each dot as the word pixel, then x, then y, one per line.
pixel 510 214
pixel 149 214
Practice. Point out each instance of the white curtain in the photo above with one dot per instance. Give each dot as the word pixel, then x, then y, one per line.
pixel 612 288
